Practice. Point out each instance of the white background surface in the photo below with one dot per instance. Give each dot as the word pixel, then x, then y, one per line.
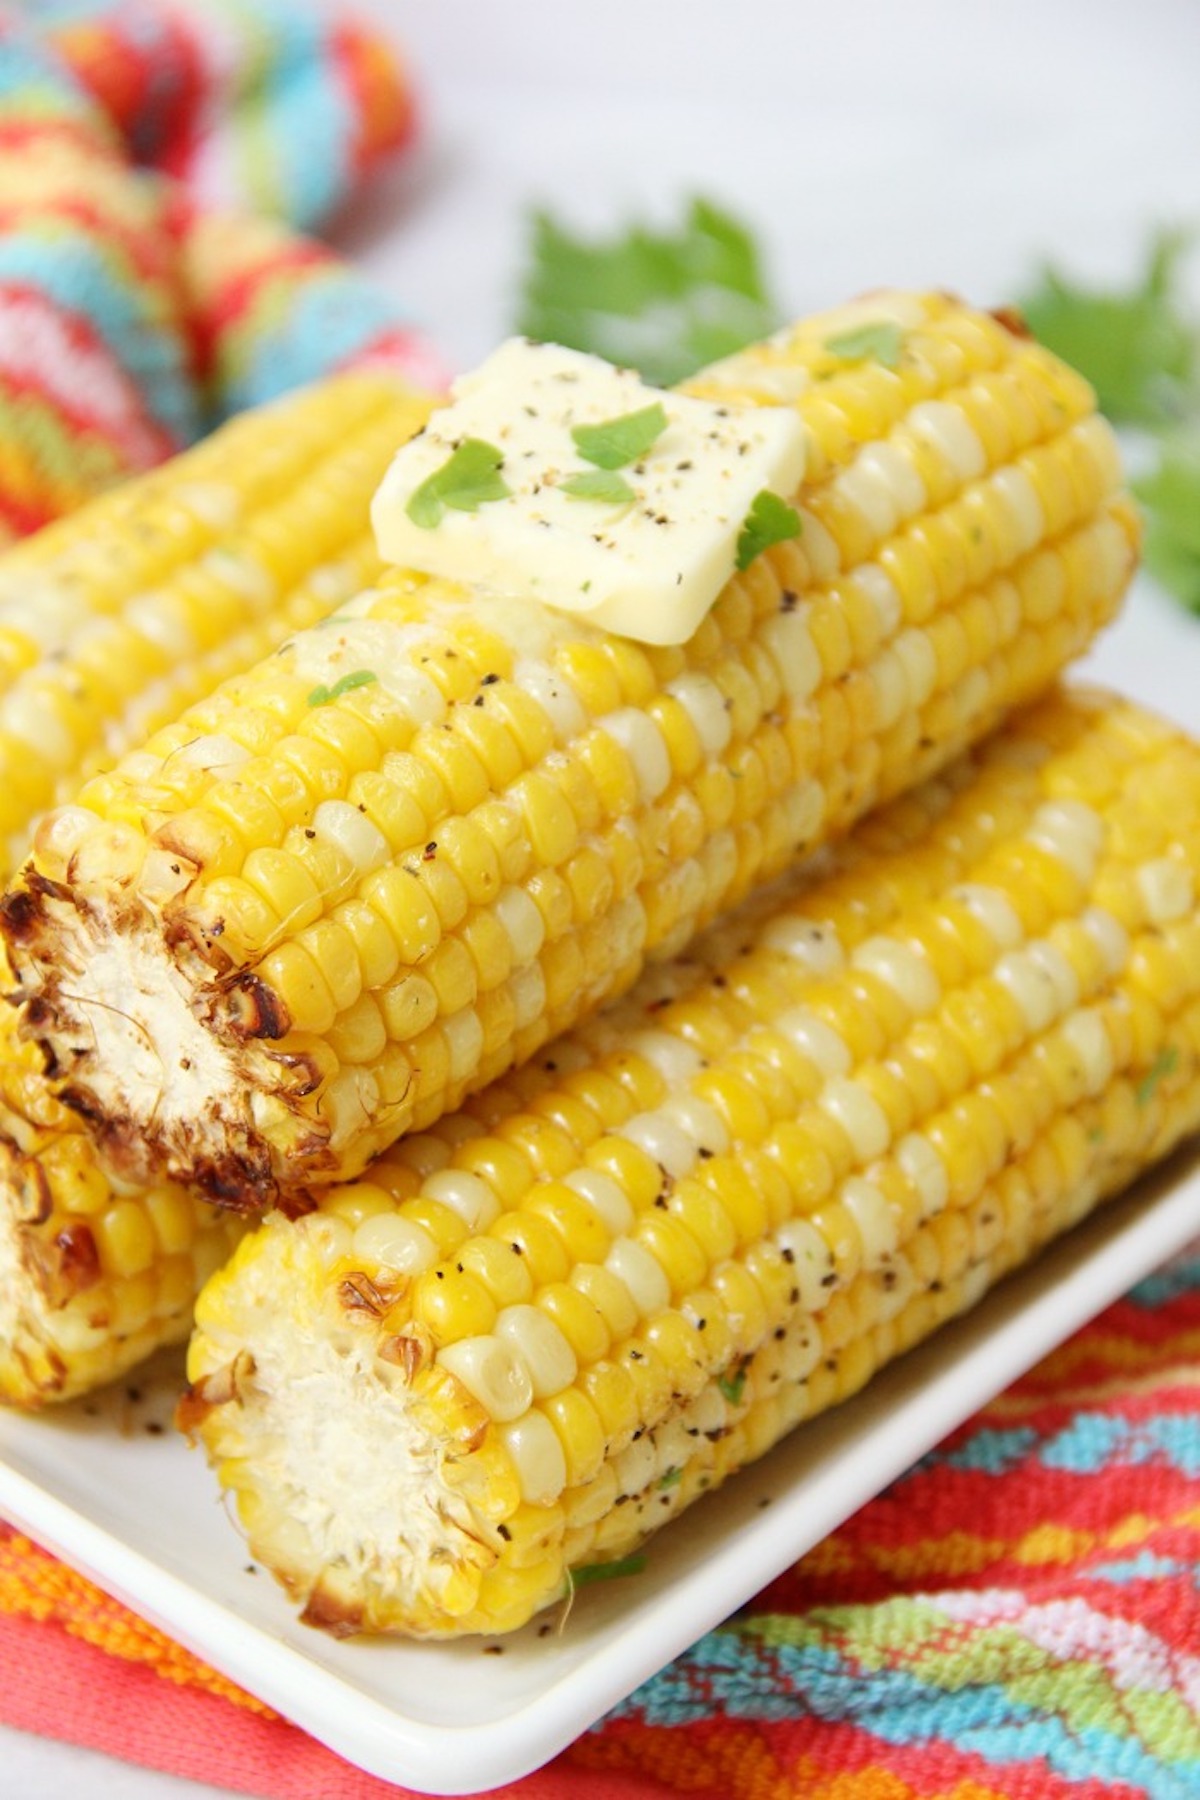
pixel 923 142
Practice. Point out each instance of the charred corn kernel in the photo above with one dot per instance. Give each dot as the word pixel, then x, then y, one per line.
pixel 565 805
pixel 677 1312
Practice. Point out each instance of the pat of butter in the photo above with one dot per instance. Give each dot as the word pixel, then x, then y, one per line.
pixel 648 568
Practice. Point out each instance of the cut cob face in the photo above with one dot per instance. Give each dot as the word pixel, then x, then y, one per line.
pixel 365 879
pixel 543 1327
pixel 110 622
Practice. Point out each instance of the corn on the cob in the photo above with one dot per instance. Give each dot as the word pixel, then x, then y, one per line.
pixel 109 623
pixel 363 880
pixel 537 1331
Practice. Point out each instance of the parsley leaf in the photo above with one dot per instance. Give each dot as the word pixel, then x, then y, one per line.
pixel 598 484
pixel 322 696
pixel 769 521
pixel 881 341
pixel 1139 349
pixel 1170 494
pixel 615 443
pixel 663 303
pixel 733 1384
pixel 607 1571
pixel 466 480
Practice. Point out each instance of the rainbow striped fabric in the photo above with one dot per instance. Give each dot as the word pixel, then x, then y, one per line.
pixel 138 302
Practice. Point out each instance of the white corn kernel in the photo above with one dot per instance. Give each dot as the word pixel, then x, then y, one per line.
pixel 790 645
pixel 1030 985
pixel 389 1241
pixel 537 1456
pixel 950 433
pixel 881 591
pixel 353 833
pixel 905 970
pixel 860 1116
pixel 815 1039
pixel 675 1059
pixel 463 1032
pixel 701 1122
pixel 704 704
pixel 918 658
pixel 423 1152
pixel 816 948
pixel 554 694
pixel 215 753
pixel 869 1209
pixel 522 921
pixel 492 1372
pixel 469 1198
pixel 1020 498
pixel 811 1262
pixel 1084 1031
pixel 925 1171
pixel 633 1264
pixel 604 1194
pixel 636 1466
pixel 1166 889
pixel 644 745
pixel 992 909
pixel 662 1140
pixel 891 688
pixel 820 546
pixel 528 989
pixel 1109 936
pixel 541 1346
pixel 1059 972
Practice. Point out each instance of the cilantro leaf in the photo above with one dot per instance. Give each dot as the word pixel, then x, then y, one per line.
pixel 769 521
pixel 466 480
pixel 733 1384
pixel 1139 349
pixel 881 341
pixel 614 443
pixel 663 303
pixel 598 484
pixel 322 696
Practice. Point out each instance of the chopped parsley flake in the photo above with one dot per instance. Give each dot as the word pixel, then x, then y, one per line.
pixel 615 443
pixel 1164 1064
pixel 733 1385
pixel 599 484
pixel 769 521
pixel 880 342
pixel 467 480
pixel 607 1571
pixel 672 1478
pixel 321 696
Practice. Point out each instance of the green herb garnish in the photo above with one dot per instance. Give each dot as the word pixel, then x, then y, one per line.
pixel 769 521
pixel 733 1385
pixel 671 1479
pixel 598 484
pixel 664 303
pixel 466 481
pixel 1170 494
pixel 615 443
pixel 321 696
pixel 881 342
pixel 1164 1064
pixel 1139 349
pixel 607 1571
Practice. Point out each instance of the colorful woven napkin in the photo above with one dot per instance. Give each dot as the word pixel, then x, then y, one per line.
pixel 1018 1617
pixel 138 304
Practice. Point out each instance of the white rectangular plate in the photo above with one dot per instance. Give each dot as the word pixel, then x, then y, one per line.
pixel 131 1506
